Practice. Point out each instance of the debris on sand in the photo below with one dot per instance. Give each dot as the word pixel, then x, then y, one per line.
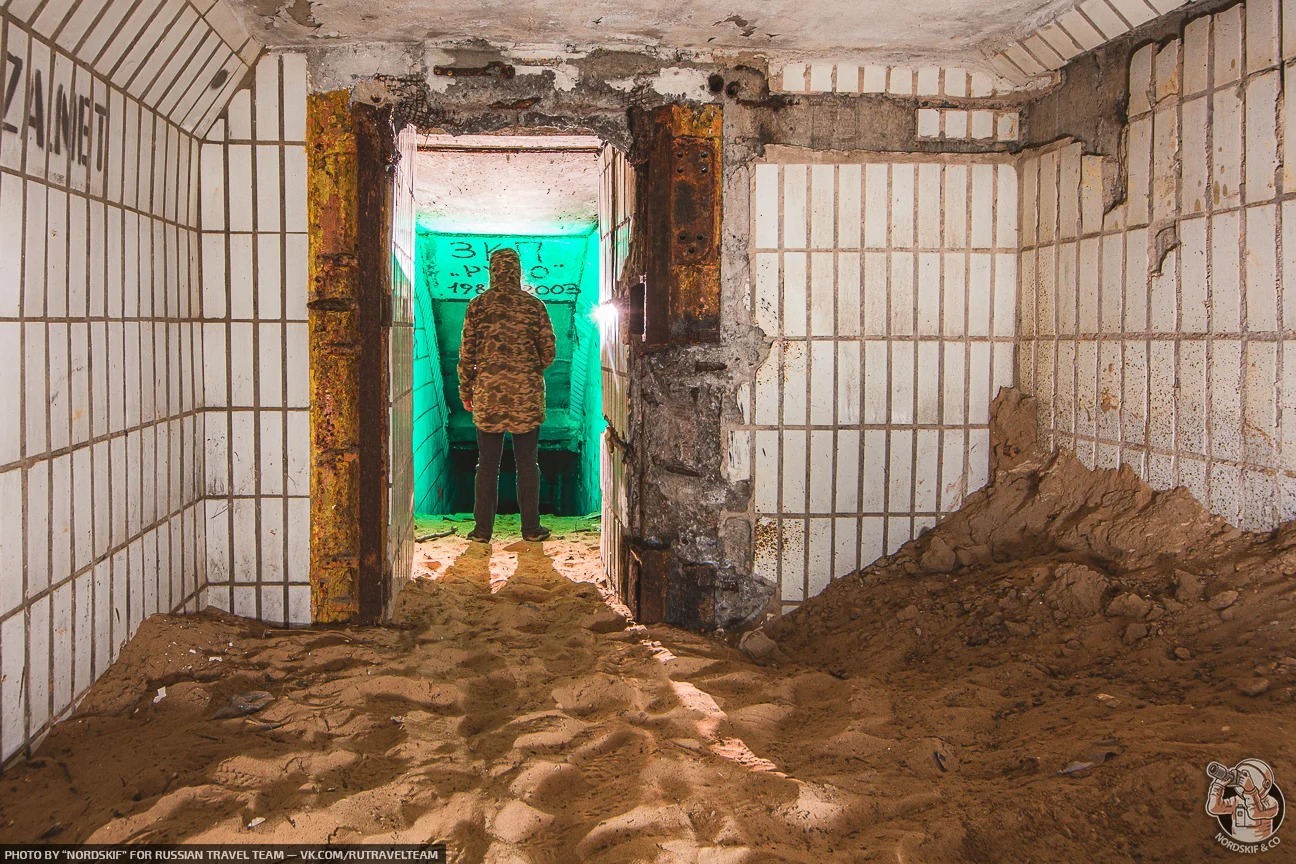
pixel 761 648
pixel 242 704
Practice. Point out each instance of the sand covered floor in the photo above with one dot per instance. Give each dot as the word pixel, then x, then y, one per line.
pixel 1042 678
pixel 515 718
pixel 573 549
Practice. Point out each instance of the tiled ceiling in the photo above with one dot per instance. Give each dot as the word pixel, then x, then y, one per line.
pixel 183 58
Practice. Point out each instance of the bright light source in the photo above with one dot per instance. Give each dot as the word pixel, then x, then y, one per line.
pixel 605 314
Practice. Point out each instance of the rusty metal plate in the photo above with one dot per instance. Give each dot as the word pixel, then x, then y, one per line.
pixel 650 572
pixel 679 215
pixel 690 599
pixel 694 201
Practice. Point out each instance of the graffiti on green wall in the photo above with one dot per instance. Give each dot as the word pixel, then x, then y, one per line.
pixel 458 265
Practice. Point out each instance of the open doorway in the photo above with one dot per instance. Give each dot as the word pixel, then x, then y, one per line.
pixel 545 196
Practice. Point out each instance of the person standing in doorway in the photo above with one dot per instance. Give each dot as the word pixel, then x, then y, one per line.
pixel 508 342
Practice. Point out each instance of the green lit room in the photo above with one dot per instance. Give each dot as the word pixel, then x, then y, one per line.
pixel 538 195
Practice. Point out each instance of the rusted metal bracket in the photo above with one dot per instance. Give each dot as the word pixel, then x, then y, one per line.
pixel 494 69
pixel 330 304
pixel 646 584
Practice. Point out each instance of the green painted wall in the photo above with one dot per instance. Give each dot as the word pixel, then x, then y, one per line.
pixel 562 270
pixel 431 440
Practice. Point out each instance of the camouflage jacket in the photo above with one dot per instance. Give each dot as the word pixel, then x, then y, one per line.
pixel 508 342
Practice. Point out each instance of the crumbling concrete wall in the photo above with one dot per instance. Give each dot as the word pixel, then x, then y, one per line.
pixel 1156 307
pixel 691 404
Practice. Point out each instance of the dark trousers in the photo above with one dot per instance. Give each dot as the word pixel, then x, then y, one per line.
pixel 490 446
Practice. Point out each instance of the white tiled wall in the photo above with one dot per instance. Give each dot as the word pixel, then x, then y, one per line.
pixel 1181 365
pixel 254 274
pixel 852 76
pixel 1082 27
pixel 431 453
pixel 101 445
pixel 959 124
pixel 182 58
pixel 400 471
pixel 889 290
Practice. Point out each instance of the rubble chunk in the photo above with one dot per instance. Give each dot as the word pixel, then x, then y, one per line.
pixel 1076 590
pixel 1129 605
pixel 1223 600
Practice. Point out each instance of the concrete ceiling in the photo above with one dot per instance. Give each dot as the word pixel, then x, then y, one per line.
pixel 480 184
pixel 772 27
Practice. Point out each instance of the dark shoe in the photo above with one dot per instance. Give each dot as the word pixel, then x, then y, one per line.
pixel 478 538
pixel 537 535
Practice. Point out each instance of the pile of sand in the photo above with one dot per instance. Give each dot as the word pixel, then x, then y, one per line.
pixel 1076 647
pixel 1042 677
pixel 1078 567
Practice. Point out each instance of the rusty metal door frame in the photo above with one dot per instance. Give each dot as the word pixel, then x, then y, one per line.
pixel 349 153
pixel 375 149
pixel 677 248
